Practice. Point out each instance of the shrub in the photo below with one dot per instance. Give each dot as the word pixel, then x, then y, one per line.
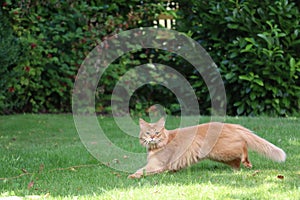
pixel 256 46
pixel 9 56
pixel 56 36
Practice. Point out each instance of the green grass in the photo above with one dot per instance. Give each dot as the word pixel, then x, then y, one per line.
pixel 57 165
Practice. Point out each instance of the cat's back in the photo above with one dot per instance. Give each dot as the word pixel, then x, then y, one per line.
pixel 197 129
pixel 216 128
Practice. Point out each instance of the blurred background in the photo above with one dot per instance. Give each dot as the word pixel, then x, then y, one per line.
pixel 255 44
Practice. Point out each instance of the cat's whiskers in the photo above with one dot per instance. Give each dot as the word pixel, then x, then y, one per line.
pixel 144 141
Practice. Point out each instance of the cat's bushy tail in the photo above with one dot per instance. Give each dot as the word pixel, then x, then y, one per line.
pixel 262 146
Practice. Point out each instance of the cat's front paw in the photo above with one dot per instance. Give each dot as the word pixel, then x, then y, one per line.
pixel 136 175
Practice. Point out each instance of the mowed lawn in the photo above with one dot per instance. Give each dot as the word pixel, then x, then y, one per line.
pixel 42 157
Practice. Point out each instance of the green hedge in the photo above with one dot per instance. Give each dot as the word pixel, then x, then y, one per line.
pixel 53 38
pixel 255 44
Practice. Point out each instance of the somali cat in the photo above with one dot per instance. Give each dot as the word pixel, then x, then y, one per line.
pixel 171 150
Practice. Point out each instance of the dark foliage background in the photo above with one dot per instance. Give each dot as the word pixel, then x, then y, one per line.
pixel 255 44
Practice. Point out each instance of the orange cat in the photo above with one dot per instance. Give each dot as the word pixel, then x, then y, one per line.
pixel 171 150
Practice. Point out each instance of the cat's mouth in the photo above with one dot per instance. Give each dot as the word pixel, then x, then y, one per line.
pixel 152 142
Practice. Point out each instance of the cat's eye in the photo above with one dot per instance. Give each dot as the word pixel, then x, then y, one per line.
pixel 148 133
pixel 156 133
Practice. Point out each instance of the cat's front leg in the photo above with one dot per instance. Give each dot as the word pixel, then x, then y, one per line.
pixel 139 173
pixel 136 175
pixel 154 166
pixel 145 172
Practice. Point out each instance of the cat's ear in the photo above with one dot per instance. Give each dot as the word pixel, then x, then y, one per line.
pixel 161 123
pixel 143 124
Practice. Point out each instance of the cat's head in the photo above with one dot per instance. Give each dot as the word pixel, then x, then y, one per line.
pixel 153 135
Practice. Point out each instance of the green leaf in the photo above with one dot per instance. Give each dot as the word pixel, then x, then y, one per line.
pixel 258 82
pixel 266 38
pixel 252 96
pixel 251 40
pixel 240 109
pixel 292 62
pixel 229 76
pixel 233 26
pixel 244 77
pixel 142 55
pixel 24 81
pixel 292 67
pixel 248 48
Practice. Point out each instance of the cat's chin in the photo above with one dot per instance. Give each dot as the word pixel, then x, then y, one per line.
pixel 153 146
pixel 152 142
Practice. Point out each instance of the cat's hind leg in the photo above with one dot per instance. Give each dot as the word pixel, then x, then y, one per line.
pixel 235 163
pixel 245 159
